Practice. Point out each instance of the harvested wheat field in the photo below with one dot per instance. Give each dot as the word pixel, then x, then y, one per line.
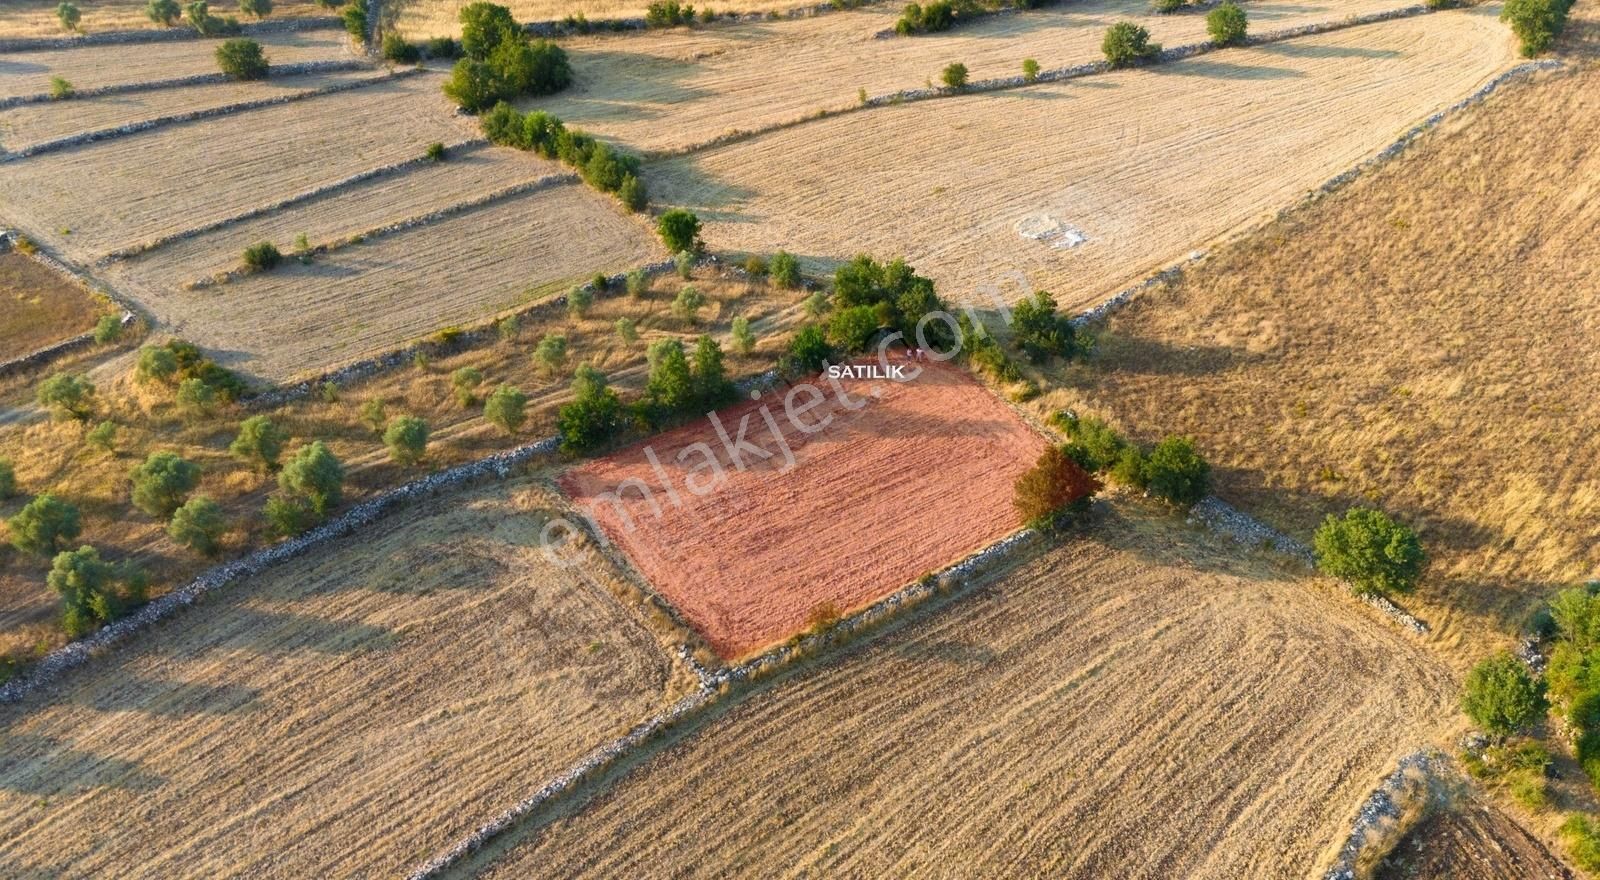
pixel 1470 841
pixel 39 307
pixel 876 489
pixel 1128 160
pixel 1138 703
pixel 373 297
pixel 37 18
pixel 672 90
pixel 420 19
pixel 33 124
pixel 341 716
pixel 128 190
pixel 93 67
pixel 1423 341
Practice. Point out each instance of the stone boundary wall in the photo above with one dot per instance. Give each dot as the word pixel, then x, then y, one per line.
pixel 199 79
pixel 561 28
pixel 164 35
pixel 88 137
pixel 1383 806
pixel 49 353
pixel 289 202
pixel 520 189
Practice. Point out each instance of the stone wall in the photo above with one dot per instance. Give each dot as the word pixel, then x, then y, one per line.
pixel 163 35
pixel 199 79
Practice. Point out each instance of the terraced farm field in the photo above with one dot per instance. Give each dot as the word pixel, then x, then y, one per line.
pixel 1141 179
pixel 1136 703
pixel 37 18
pixel 340 716
pixel 91 67
pixel 39 307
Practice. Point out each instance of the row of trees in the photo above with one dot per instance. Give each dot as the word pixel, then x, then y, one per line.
pixel 601 166
pixel 498 63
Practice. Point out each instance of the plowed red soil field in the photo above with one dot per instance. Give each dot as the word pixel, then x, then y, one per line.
pixel 909 480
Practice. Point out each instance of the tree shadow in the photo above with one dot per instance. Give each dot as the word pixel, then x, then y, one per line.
pixel 1139 355
pixel 1320 50
pixel 1224 70
pixel 42 767
pixel 281 634
pixel 163 697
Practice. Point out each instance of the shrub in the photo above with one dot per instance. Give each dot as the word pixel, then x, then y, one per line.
pixel 464 383
pixel 1040 331
pixel 785 270
pixel 315 476
pixel 593 416
pixel 195 398
pixel 257 9
pixel 954 75
pixel 163 12
pixel 1501 697
pixel 1227 24
pixel 60 89
pixel 1054 490
pixel 579 299
pixel 916 19
pixel 688 303
pixel 407 439
pixel 551 351
pixel 67 396
pixel 1536 22
pixel 374 415
pixel 156 364
pixel 1370 550
pixel 162 482
pixel 851 329
pixel 1583 841
pixel 638 284
pixel 755 267
pixel 354 17
pixel 680 231
pixel 1529 788
pixel 683 262
pixel 1101 446
pixel 107 330
pixel 397 49
pixel 1126 43
pixel 668 13
pixel 87 587
pixel 1169 5
pixel 816 305
pixel 259 442
pixel 671 386
pixel 43 524
pixel 627 331
pixel 288 514
pixel 1174 471
pixel 506 408
pixel 68 14
pixel 242 60
pixel 200 18
pixel 1575 613
pixel 499 64
pixel 262 256
pixel 1030 70
pixel 808 352
pixel 507 328
pixel 198 525
pixel 443 47
pixel 484 27
pixel 744 340
pixel 8 478
pixel 711 386
pixel 632 193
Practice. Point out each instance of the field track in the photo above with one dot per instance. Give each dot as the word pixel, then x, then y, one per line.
pixel 340 716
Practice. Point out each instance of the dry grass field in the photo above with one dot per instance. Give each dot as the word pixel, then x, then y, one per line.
pixel 1146 163
pixel 1137 703
pixel 37 18
pixel 880 483
pixel 1472 842
pixel 90 67
pixel 342 715
pixel 39 307
pixel 420 19
pixel 671 90
pixel 1423 340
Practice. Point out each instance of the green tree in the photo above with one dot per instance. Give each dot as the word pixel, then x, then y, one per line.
pixel 626 330
pixel 68 14
pixel 593 416
pixel 242 59
pixel 8 478
pixel 851 329
pixel 680 231
pixel 257 9
pixel 638 284
pixel 1102 447
pixel 61 89
pixel 67 396
pixel 687 305
pixel 506 408
pixel 551 352
pixel 671 386
pixel 808 351
pixel 632 193
pixel 744 340
pixel 711 386
pixel 1054 490
pixel 1501 697
pixel 156 364
pixel 407 439
pixel 579 300
pixel 1174 471
pixel 86 585
pixel 1227 24
pixel 1040 331
pixel 195 398
pixel 464 382
pixel 162 483
pixel 262 256
pixel 785 270
pixel 315 475
pixel 398 49
pixel 43 524
pixel 1030 70
pixel 354 16
pixel 1370 550
pixel 163 12
pixel 107 330
pixel 484 26
pixel 198 525
pixel 954 75
pixel 1126 43
pixel 1535 22
pixel 260 442
pixel 684 263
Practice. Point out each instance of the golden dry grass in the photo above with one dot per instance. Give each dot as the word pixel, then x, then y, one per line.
pixel 39 307
pixel 1148 163
pixel 1136 703
pixel 1423 341
pixel 667 91
pixel 420 19
pixel 37 18
pixel 342 715
pixel 89 67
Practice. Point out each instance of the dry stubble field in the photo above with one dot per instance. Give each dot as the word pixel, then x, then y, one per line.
pixel 873 491
pixel 1137 702
pixel 37 18
pixel 343 715
pixel 420 19
pixel 39 307
pixel 1136 160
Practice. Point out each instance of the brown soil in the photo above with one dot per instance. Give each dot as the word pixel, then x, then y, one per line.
pixel 1472 842
pixel 39 307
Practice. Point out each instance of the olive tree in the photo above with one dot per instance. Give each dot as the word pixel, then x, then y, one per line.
pixel 506 408
pixel 1501 696
pixel 198 525
pixel 162 483
pixel 680 231
pixel 243 59
pixel 67 396
pixel 260 442
pixel 407 439
pixel 43 524
pixel 1370 550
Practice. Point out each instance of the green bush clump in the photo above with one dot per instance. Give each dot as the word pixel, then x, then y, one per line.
pixel 399 50
pixel 259 442
pixel 579 299
pixel 107 330
pixel 68 14
pixel 601 166
pixel 1174 471
pixel 162 483
pixel 680 231
pixel 899 297
pixel 354 16
pixel 310 485
pixel 785 270
pixel 163 12
pixel 668 13
pixel 506 408
pixel 262 256
pixel 198 14
pixel 195 399
pixel 198 525
pixel 1370 550
pixel 407 440
pixel 687 304
pixel 242 59
pixel 918 19
pixel 8 478
pixel 744 339
pixel 954 76
pixel 1227 24
pixel 593 417
pixel 92 590
pixel 1042 332
pixel 61 89
pixel 464 384
pixel 808 351
pixel 43 525
pixel 499 63
pixel 1126 43
pixel 257 9
pixel 67 396
pixel 1030 70
pixel 551 351
pixel 1501 697
pixel 626 331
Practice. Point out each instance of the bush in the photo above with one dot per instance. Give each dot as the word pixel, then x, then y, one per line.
pixel 671 386
pixel 1175 472
pixel 87 587
pixel 785 270
pixel 288 515
pixel 1535 22
pixel 668 13
pixel 1169 5
pixel 1583 842
pixel 162 483
pixel 257 9
pixel 407 439
pixel 314 476
pixel 242 60
pixel 198 525
pixel 593 416
pixel 712 389
pixel 182 360
pixel 680 231
pixel 200 18
pixel 195 398
pixel 816 305
pixel 506 408
pixel 443 47
pixel 916 19
pixel 1030 70
pixel 688 303
pixel 1054 490
pixel 156 364
pixel 632 193
pixel 638 284
pixel 1040 331
pixel 954 75
pixel 67 396
pixel 808 352
pixel 163 12
pixel 744 340
pixel 43 524
pixel 1501 697
pixel 259 442
pixel 851 329
pixel 397 49
pixel 499 64
pixel 683 262
pixel 68 14
pixel 1101 447
pixel 551 351
pixel 107 330
pixel 1227 24
pixel 626 331
pixel 464 383
pixel 507 328
pixel 1126 43
pixel 8 478
pixel 354 17
pixel 1370 550
pixel 579 299
pixel 374 415
pixel 60 89
pixel 262 256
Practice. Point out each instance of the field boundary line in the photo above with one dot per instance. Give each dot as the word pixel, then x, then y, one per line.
pixel 199 79
pixel 167 35
pixel 419 221
pixel 326 190
pixel 1382 804
pixel 554 27
pixel 132 128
